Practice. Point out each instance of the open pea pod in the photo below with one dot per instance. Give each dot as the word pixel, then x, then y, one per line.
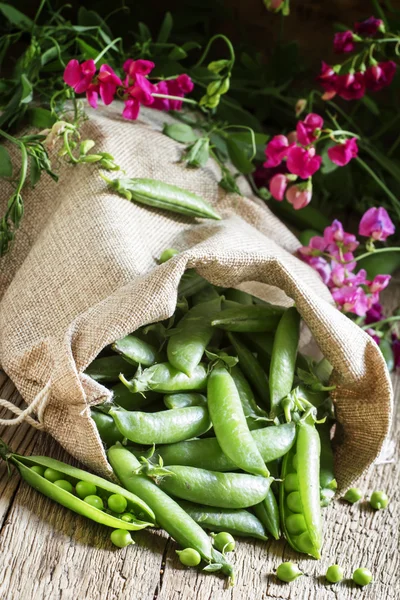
pixel 69 500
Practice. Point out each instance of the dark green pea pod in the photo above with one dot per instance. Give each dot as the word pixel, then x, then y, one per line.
pixel 386 348
pixel 169 515
pixel 174 401
pixel 268 513
pixel 208 293
pixel 73 475
pixel 192 335
pixel 315 398
pixel 246 318
pixel 283 360
pixel 272 442
pixel 254 414
pixel 163 195
pixel 164 427
pixel 223 490
pixel 238 296
pixel 239 522
pixel 230 425
pixel 327 479
pixel 191 283
pixel 165 379
pixel 124 398
pixel 107 368
pixel 136 351
pixel 251 368
pixel 262 344
pixel 108 431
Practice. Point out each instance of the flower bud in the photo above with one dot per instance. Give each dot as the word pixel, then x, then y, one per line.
pixel 216 66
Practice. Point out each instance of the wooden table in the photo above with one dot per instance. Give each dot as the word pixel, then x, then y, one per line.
pixel 49 553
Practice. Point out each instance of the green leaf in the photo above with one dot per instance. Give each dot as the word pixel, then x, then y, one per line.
pixel 190 46
pixel 27 90
pixel 243 139
pixel 35 171
pixel 41 118
pixel 212 568
pixel 238 157
pixel 144 32
pixel 327 165
pixel 180 132
pixel 87 50
pixel 199 153
pixel 177 53
pixel 6 168
pixel 49 55
pixel 166 28
pixel 90 18
pixel 16 17
pixel 371 105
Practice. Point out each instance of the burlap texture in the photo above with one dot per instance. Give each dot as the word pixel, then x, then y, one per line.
pixel 83 273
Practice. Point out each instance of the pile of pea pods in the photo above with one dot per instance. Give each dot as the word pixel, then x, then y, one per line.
pixel 217 422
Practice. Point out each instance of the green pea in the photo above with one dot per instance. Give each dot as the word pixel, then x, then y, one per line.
pixel 296 524
pixel 353 495
pixel 167 254
pixel 95 501
pixel 64 485
pixel 121 538
pixel 224 542
pixel 294 502
pixel 379 500
pixel 189 557
pixel 117 503
pixel 291 482
pixel 52 475
pixel 127 517
pixel 38 469
pixel 334 574
pixel 84 489
pixel 362 576
pixel 288 571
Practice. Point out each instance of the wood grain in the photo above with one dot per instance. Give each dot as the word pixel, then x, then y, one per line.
pixel 49 553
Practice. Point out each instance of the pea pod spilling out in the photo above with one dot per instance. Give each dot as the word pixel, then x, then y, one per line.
pixel 164 427
pixel 238 522
pixel 163 195
pixel 224 490
pixel 165 379
pixel 108 368
pixel 251 368
pixel 268 513
pixel 32 467
pixel 249 318
pixel 256 416
pixel 136 351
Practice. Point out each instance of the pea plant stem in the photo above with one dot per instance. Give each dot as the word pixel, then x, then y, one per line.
pixel 382 322
pixel 379 181
pixel 379 251
pixel 187 100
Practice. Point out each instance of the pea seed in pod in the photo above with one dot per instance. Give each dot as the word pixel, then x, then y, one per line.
pixel 334 574
pixel 362 576
pixel 189 557
pixel 52 475
pixel 95 501
pixel 85 488
pixel 117 503
pixel 288 572
pixel 65 485
pixel 38 469
pixel 224 490
pixel 121 538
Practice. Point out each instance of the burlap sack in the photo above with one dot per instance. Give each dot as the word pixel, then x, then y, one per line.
pixel 83 273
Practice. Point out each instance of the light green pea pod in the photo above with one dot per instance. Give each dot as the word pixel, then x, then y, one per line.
pixel 251 368
pixel 249 318
pixel 268 513
pixel 136 351
pixel 174 401
pixel 191 283
pixel 165 379
pixel 107 368
pixel 238 296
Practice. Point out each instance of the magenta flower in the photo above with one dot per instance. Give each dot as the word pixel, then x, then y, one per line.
pixel 379 283
pixel 322 267
pixel 396 350
pixel 374 314
pixel 79 76
pixel 303 162
pixel 278 185
pixel 276 151
pixel 369 27
pixel 343 42
pixel 351 86
pixel 308 131
pixel 351 299
pixel 380 75
pixel 108 83
pixel 299 196
pixel 316 245
pixel 138 67
pixel 341 154
pixel 335 234
pixel 92 94
pixel 138 93
pixel 376 224
pixel 131 110
pixel 179 86
pixel 329 81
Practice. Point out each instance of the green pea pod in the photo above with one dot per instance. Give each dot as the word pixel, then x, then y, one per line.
pixel 223 490
pixel 251 369
pixel 106 427
pixel 315 398
pixel 69 500
pixel 165 379
pixel 124 398
pixel 136 351
pixel 238 296
pixel 187 344
pixel 254 318
pixel 163 195
pixel 209 292
pixel 386 348
pixel 254 414
pixel 283 360
pixel 174 401
pixel 300 493
pixel 327 479
pixel 272 442
pixel 262 343
pixel 268 513
pixel 237 522
pixel 169 515
pixel 164 427
pixel 191 283
pixel 108 368
pixel 229 422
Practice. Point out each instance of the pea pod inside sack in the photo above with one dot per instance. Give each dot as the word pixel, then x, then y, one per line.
pixel 136 351
pixel 249 318
pixel 165 379
pixel 163 195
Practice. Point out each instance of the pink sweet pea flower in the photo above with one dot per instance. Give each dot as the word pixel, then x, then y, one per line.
pixel 276 151
pixel 372 333
pixel 374 314
pixel 161 103
pixel 329 81
pixel 379 283
pixel 376 224
pixel 179 86
pixel 380 75
pixel 278 185
pixel 335 234
pixel 341 154
pixel 92 94
pixel 369 27
pixel 309 130
pixel 316 245
pixel 302 161
pixel 343 42
pixel 79 76
pixel 131 110
pixel 351 86
pixel 138 67
pixel 108 82
pixel 299 196
pixel 142 90
pixel 351 299
pixel 396 349
pixel 322 267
